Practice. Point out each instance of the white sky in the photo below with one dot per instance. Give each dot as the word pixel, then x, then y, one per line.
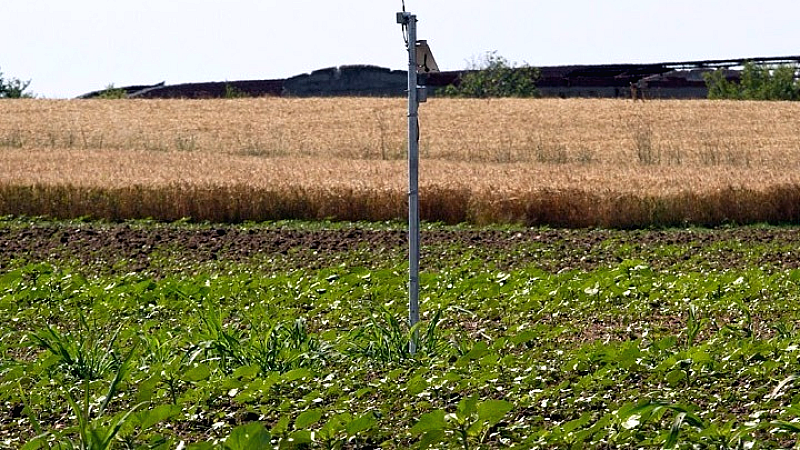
pixel 69 47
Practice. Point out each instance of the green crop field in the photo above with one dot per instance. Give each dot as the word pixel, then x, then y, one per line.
pixel 292 335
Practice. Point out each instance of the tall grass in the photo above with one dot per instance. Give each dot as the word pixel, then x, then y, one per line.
pixel 554 162
pixel 562 208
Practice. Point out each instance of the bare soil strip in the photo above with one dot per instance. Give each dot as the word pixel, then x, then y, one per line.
pixel 141 247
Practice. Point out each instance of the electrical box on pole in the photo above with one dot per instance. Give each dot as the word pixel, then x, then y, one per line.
pixel 420 60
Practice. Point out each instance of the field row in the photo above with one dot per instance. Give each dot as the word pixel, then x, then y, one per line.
pixel 698 348
pixel 672 133
pixel 552 162
pixel 228 190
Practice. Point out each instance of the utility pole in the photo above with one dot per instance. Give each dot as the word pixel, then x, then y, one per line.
pixel 409 22
pixel 417 51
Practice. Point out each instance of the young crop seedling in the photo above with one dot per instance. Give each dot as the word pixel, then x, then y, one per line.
pixel 530 338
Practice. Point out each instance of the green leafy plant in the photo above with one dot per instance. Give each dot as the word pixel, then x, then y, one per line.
pixel 232 92
pixel 653 411
pixel 248 436
pixel 695 324
pixel 713 434
pixel 470 425
pixel 278 347
pixel 386 338
pixel 339 431
pixel 568 325
pixel 96 431
pixel 87 354
pixel 112 93
pixel 494 76
pixel 14 88
pixel 756 82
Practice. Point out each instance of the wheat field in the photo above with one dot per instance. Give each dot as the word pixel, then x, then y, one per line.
pixel 576 162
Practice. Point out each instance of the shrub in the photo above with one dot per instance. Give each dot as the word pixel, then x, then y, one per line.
pixel 494 76
pixel 756 83
pixel 232 91
pixel 112 93
pixel 14 88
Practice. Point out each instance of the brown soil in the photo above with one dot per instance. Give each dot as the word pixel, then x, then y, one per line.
pixel 140 247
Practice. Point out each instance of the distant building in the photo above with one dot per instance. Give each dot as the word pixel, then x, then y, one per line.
pixel 682 80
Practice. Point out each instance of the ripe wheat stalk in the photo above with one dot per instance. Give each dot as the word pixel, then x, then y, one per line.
pixel 558 162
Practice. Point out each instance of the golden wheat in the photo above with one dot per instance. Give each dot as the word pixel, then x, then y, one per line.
pixel 559 162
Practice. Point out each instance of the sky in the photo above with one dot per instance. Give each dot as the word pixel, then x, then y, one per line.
pixel 70 47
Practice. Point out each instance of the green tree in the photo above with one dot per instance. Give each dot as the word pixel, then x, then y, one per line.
pixel 782 84
pixel 231 91
pixel 756 83
pixel 494 76
pixel 112 93
pixel 720 88
pixel 14 88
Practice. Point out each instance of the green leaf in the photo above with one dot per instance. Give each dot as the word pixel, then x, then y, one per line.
pixel 430 421
pixel 247 437
pixel 281 426
pixel 676 377
pixel 689 417
pixel 493 411
pixel 147 388
pixel 573 425
pixel 467 406
pixel 300 437
pixel 157 415
pixel 627 358
pixel 416 385
pixel 111 432
pixel 246 372
pixel 36 443
pixel 631 415
pixel 524 337
pixel 198 373
pixel 780 387
pixel 672 437
pixel 478 350
pixel 489 361
pixel 156 442
pixel 431 438
pixel 10 277
pixel 666 343
pixel 307 418
pixel 361 424
pixel 335 424
pixel 297 374
pixel 783 425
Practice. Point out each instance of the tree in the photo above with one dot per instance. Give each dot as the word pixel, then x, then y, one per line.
pixel 781 84
pixel 719 87
pixel 756 83
pixel 112 93
pixel 494 76
pixel 14 88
